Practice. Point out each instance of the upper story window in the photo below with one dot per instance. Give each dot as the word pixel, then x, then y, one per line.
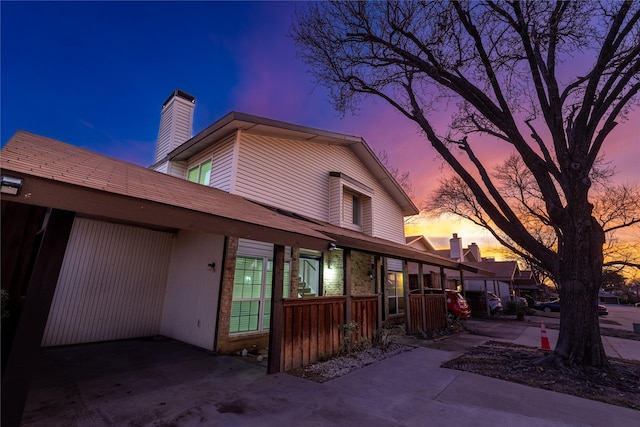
pixel 200 173
pixel 350 203
pixel 357 209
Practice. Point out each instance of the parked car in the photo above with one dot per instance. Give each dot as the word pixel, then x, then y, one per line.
pixel 554 306
pixel 548 306
pixel 602 310
pixel 494 303
pixel 457 305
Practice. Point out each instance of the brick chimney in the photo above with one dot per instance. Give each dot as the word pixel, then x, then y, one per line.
pixel 176 119
pixel 455 243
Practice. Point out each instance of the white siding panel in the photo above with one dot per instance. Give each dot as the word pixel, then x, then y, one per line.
pixel 221 169
pixel 177 169
pixel 259 249
pixel 162 168
pixel 294 175
pixel 111 284
pixel 255 248
pixel 394 264
pixel 193 289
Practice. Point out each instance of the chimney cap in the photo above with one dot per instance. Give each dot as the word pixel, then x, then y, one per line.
pixel 455 235
pixel 181 94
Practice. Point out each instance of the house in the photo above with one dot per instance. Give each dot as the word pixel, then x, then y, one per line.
pixel 503 278
pixel 253 232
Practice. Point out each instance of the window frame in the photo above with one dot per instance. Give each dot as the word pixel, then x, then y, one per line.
pixel 400 303
pixel 356 209
pixel 202 180
pixel 264 300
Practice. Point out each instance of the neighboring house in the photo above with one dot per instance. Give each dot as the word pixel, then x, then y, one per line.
pixel 503 278
pixel 301 233
pixel 606 297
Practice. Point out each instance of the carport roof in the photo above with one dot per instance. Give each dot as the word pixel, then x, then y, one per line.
pixel 64 176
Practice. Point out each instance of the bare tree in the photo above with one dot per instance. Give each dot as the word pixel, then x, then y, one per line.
pixel 501 63
pixel 616 208
pixel 402 178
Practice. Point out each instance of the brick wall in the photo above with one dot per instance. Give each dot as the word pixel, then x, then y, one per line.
pixel 362 269
pixel 229 344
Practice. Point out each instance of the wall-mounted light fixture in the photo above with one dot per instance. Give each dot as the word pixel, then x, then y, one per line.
pixel 10 185
pixel 212 266
pixel 332 246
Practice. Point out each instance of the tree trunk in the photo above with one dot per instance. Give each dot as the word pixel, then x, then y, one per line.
pixel 580 276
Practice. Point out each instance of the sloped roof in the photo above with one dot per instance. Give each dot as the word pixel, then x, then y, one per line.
pixel 67 177
pixel 420 241
pixel 235 121
pixel 355 240
pixel 63 176
pixel 502 270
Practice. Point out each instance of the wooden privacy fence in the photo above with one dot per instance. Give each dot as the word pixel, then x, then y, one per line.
pixel 311 327
pixel 427 312
pixel 364 311
pixel 311 330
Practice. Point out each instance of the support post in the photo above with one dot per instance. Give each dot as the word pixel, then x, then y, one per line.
pixel 33 320
pixel 276 326
pixel 407 296
pixel 443 280
pixel 423 302
pixel 379 283
pixel 486 300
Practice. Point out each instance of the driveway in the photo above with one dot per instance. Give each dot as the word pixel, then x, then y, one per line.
pixel 161 382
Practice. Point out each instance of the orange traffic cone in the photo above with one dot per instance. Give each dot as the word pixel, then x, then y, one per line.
pixel 544 341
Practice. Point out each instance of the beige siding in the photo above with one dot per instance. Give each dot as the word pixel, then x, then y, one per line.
pixel 111 285
pixel 193 287
pixel 177 169
pixel 221 169
pixel 335 200
pixel 162 168
pixel 294 175
pixel 394 264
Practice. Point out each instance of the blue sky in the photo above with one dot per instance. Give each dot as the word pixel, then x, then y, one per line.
pixel 95 74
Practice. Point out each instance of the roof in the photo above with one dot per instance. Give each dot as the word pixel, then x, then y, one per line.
pixel 64 176
pixel 359 241
pixel 234 121
pixel 420 242
pixel 502 270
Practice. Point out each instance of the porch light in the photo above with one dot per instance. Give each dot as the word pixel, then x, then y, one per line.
pixel 10 185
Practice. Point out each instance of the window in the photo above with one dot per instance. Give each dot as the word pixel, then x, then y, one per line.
pixel 251 304
pixel 357 210
pixel 395 293
pixel 201 173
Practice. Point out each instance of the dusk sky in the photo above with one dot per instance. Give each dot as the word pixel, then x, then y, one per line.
pixel 95 74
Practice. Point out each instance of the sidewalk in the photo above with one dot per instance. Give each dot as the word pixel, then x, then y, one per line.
pixel 613 347
pixel 194 388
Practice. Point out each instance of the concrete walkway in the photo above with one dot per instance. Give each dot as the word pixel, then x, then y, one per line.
pixel 164 383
